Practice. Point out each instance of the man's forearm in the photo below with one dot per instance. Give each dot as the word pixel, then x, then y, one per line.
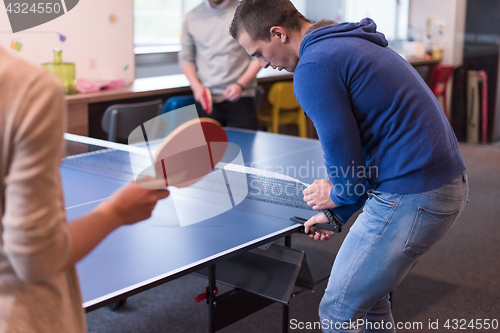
pixel 190 72
pixel 250 73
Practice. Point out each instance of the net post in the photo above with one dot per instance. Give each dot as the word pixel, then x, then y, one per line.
pixel 211 299
pixel 286 307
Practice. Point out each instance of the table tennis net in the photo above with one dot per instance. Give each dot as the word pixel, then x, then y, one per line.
pixel 257 184
pixel 100 157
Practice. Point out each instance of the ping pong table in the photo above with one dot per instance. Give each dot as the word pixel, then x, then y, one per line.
pixel 141 256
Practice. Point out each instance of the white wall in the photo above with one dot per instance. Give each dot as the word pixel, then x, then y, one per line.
pixel 301 6
pixel 318 9
pixel 100 49
pixel 330 9
pixel 451 13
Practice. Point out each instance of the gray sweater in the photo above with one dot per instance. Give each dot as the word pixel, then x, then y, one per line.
pixel 219 59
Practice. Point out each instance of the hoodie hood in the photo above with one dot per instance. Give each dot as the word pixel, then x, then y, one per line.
pixel 366 29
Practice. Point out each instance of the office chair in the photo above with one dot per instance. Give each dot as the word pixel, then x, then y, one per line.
pixel 439 81
pixel 120 120
pixel 174 119
pixel 257 100
pixel 285 109
pixel 177 102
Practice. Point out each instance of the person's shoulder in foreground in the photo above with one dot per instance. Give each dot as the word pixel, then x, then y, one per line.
pixel 16 73
pixel 35 240
pixel 39 249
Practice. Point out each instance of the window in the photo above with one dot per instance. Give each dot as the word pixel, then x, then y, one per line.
pixel 391 16
pixel 159 22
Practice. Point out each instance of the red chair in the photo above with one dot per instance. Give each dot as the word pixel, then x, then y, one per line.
pixel 439 81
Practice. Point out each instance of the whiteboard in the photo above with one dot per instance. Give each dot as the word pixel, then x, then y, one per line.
pixel 98 39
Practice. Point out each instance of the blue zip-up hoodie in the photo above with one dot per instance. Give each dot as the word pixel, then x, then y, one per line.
pixel 379 124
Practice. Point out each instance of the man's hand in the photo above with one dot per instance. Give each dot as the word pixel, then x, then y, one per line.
pixel 318 194
pixel 198 91
pixel 319 234
pixel 233 92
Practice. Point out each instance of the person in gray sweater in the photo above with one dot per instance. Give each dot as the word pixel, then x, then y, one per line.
pixel 211 59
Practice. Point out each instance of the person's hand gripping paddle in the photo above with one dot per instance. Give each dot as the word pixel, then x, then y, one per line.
pixel 206 102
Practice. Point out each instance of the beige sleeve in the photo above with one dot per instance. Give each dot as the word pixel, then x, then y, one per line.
pixel 35 237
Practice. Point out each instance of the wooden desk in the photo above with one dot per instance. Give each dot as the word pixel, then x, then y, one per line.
pixel 428 63
pixel 86 110
pixel 423 61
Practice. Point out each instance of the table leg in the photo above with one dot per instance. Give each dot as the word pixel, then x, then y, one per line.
pixel 211 299
pixel 286 307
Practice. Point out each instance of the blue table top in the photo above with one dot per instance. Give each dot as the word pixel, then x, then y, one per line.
pixel 157 250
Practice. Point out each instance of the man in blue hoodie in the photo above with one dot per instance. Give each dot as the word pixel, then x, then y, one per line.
pixel 387 145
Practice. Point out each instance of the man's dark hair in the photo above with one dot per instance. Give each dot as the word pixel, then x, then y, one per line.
pixel 257 17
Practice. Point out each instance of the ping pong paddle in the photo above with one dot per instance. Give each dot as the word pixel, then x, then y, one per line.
pixel 207 100
pixel 191 151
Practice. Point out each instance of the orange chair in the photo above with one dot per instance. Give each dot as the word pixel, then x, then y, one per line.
pixel 439 81
pixel 285 109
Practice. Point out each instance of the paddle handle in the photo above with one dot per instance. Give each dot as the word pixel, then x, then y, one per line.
pixel 327 226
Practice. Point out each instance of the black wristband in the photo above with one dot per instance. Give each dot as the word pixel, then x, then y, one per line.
pixel 241 86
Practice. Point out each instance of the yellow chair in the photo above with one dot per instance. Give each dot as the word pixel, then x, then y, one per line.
pixel 285 109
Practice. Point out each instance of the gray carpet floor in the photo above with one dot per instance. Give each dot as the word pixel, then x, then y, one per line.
pixel 457 279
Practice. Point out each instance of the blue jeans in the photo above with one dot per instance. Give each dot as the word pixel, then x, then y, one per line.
pixel 384 243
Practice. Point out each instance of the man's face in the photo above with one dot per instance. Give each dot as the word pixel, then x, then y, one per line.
pixel 274 53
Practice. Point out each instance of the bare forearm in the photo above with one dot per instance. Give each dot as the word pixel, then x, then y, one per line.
pixel 250 73
pixel 190 72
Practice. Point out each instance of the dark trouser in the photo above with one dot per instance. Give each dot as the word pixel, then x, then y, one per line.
pixel 241 114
